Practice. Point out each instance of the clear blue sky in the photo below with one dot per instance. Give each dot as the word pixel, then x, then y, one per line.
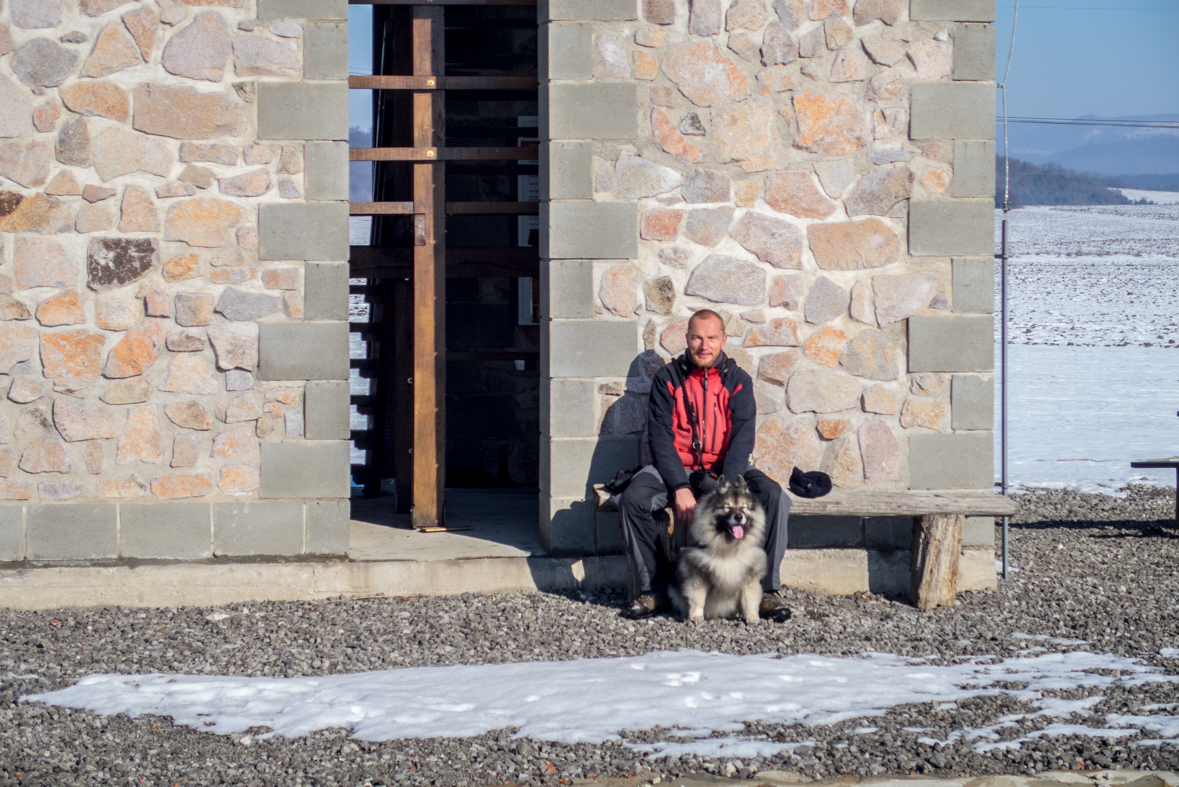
pixel 1068 61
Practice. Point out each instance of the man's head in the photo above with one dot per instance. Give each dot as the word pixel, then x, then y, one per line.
pixel 706 337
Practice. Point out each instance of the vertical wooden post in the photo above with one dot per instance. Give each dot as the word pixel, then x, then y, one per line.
pixel 429 277
pixel 402 391
pixel 933 564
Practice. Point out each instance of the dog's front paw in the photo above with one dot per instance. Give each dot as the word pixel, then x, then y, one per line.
pixel 753 620
pixel 696 618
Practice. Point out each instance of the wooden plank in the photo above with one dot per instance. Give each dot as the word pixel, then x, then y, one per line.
pixel 494 208
pixel 382 262
pixel 401 389
pixel 429 277
pixel 380 208
pixel 452 208
pixel 438 153
pixel 914 503
pixel 492 355
pixel 442 2
pixel 933 564
pixel 441 83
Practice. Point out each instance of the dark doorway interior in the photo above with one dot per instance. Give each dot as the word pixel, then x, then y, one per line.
pixel 492 339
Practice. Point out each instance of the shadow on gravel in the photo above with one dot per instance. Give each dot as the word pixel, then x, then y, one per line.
pixel 1126 528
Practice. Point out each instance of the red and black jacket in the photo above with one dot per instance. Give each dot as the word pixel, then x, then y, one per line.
pixel 722 396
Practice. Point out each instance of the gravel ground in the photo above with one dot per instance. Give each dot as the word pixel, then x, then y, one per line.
pixel 1093 568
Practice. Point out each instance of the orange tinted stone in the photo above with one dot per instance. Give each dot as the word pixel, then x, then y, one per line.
pixel 186 266
pixel 782 332
pixel 141 440
pixel 671 140
pixel 747 192
pixel 72 355
pixel 238 441
pixel 39 213
pixel 783 444
pixel 189 415
pixel 143 24
pixel 45 117
pixel 122 488
pixel 795 193
pixel 854 245
pixel 17 343
pixel 181 485
pixel 777 367
pixel 7 463
pixel 747 133
pixel 646 65
pixel 879 400
pixel 190 374
pixel 926 413
pixel 660 224
pixel 935 181
pixel 843 464
pixel 92 454
pixel 101 99
pixel 825 346
pixel 45 456
pixel 62 309
pixel 114 50
pixel 832 125
pixel 705 74
pixel 138 211
pixel 830 428
pixel 16 492
pixel 673 338
pixel 203 221
pixel 136 351
pixel 284 395
pixel 238 480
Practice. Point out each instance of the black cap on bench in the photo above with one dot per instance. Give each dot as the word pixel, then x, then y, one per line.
pixel 812 484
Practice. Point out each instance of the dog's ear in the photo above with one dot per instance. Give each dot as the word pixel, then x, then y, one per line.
pixel 722 485
pixel 740 484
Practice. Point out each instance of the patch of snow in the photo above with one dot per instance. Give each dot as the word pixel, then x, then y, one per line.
pixel 1157 197
pixel 1052 640
pixel 592 700
pixel 1169 653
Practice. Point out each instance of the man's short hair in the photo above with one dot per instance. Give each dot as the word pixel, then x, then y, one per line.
pixel 705 314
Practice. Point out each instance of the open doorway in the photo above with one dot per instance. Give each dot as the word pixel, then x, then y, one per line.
pixel 449 92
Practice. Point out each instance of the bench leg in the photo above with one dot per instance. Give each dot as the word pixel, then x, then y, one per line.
pixel 933 565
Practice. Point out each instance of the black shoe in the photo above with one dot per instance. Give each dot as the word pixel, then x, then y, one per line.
pixel 646 605
pixel 773 608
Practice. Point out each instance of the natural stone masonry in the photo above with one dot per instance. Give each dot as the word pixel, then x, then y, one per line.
pixel 154 248
pixel 819 173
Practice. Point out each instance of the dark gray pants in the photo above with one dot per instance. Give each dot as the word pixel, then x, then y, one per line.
pixel 647 494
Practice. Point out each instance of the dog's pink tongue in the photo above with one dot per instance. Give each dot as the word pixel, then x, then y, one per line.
pixel 738 531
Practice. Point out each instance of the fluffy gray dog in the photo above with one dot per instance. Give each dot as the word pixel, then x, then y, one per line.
pixel 721 576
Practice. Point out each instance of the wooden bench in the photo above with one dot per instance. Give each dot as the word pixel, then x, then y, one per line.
pixel 936 541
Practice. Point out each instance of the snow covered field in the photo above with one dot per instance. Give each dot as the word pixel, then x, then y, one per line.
pixel 1093 295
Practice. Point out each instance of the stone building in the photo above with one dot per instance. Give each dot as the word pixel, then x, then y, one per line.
pixel 174 256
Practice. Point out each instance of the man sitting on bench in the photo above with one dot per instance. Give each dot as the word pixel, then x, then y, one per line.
pixel 701 424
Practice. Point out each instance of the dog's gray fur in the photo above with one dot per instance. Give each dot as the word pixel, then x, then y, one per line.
pixel 721 576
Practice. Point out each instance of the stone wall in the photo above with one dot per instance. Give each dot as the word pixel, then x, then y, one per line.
pixel 818 171
pixel 173 246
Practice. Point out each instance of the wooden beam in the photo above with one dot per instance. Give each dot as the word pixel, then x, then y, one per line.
pixel 379 262
pixel 429 275
pixel 380 208
pixel 390 82
pixel 492 355
pixel 452 208
pixel 401 389
pixel 438 153
pixel 442 2
pixel 933 560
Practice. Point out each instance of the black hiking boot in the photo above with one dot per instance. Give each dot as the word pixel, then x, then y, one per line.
pixel 646 605
pixel 773 608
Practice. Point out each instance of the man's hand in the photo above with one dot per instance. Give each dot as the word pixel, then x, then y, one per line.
pixel 685 505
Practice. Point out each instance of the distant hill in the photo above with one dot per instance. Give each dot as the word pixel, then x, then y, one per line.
pixel 1104 150
pixel 1052 184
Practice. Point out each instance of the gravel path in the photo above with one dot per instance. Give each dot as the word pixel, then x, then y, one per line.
pixel 1091 568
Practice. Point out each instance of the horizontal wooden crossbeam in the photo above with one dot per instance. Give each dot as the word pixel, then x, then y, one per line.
pixel 400 82
pixel 441 2
pixel 452 208
pixel 443 154
pixel 380 262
